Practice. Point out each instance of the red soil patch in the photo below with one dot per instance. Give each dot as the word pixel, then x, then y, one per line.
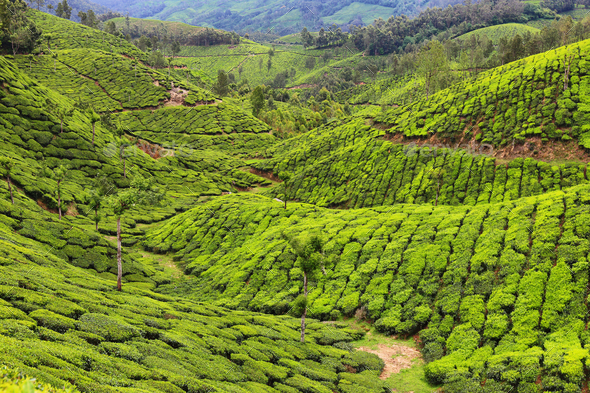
pixel 396 357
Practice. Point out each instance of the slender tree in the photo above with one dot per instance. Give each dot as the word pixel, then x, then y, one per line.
pixel 93 117
pixel 169 60
pixel 309 255
pixel 285 176
pixel 257 100
pixel 6 165
pixel 30 58
pixel 96 196
pixel 433 64
pixel 139 192
pixel 54 57
pixel 59 175
pixel 62 113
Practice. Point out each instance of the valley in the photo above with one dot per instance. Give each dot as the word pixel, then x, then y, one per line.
pixel 396 208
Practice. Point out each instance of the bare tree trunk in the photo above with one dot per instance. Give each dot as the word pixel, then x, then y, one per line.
pixel 59 199
pixel 10 188
pixel 305 309
pixel 437 191
pixel 285 203
pixel 119 263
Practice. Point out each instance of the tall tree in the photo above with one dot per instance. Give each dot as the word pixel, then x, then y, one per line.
pixel 140 192
pixel 221 87
pixel 175 48
pixel 63 10
pixel 169 61
pixel 309 255
pixel 433 65
pixel 101 188
pixel 93 117
pixel 257 100
pixel 307 38
pixel 6 165
pixel 58 175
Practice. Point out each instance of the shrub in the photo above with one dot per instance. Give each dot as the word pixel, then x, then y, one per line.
pixel 53 321
pixel 111 328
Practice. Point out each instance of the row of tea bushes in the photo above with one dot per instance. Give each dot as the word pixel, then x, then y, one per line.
pixel 66 34
pixel 75 241
pixel 507 104
pixel 347 165
pixel 222 127
pixel 480 279
pixel 132 86
pixel 61 78
pixel 65 325
pixel 13 381
pixel 31 127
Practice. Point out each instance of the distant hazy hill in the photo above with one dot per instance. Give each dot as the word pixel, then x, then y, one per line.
pixel 279 16
pixel 77 6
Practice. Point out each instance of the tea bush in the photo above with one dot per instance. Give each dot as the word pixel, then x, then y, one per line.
pixel 138 340
pixel 487 282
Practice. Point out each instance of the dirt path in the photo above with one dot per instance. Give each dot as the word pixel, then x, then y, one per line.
pixel 396 357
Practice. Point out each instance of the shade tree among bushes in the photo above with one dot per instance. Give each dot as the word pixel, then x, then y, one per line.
pixel 309 254
pixel 140 192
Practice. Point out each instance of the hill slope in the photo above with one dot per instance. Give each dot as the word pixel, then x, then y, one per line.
pixel 496 286
pixel 68 325
pixel 282 16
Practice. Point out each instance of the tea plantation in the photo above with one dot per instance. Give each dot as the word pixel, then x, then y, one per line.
pixel 67 325
pixel 457 221
pixel 500 288
pixel 532 97
pixel 351 165
pixel 62 34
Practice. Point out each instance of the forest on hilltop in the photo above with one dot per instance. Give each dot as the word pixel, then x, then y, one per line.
pixel 403 205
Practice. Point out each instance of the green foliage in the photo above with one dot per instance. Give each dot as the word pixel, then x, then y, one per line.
pixel 451 113
pixel 16 382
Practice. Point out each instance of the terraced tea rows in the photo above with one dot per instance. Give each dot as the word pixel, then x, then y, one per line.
pixel 349 165
pixel 488 282
pixel 31 124
pixel 87 76
pixel 524 99
pixel 65 34
pixel 63 325
pixel 223 127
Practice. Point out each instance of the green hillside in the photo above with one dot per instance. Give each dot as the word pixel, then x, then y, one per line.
pixel 63 34
pixel 282 16
pixel 185 210
pixel 352 165
pixel 488 281
pixel 546 107
pixel 66 324
pixel 494 33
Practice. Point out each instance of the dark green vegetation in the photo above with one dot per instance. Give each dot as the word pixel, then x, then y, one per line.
pixel 457 212
pixel 283 16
